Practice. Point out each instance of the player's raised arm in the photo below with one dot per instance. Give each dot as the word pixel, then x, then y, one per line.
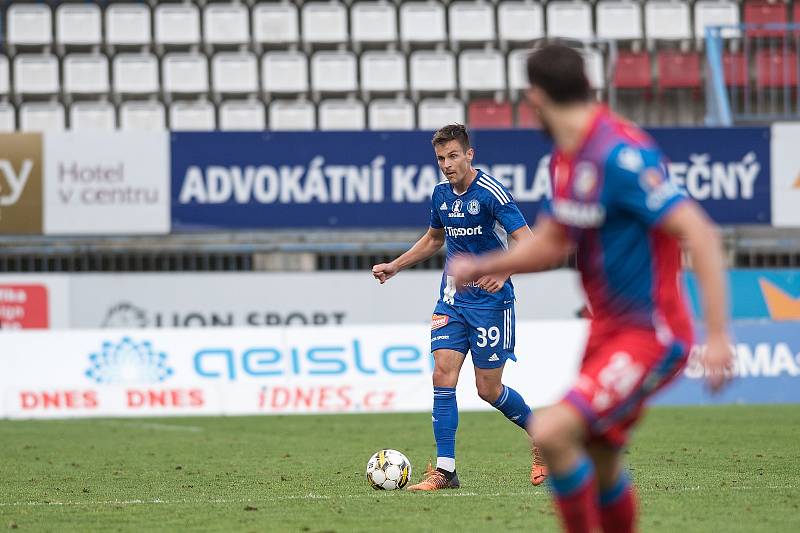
pixel 688 222
pixel 425 247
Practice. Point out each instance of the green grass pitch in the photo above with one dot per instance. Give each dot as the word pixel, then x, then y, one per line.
pixel 731 468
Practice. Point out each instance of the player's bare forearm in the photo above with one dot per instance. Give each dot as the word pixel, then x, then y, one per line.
pixel 425 247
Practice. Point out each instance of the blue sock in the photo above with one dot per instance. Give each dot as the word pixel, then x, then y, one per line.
pixel 445 423
pixel 511 404
pixel 569 483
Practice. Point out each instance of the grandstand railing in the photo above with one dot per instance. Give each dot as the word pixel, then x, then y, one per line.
pixel 752 73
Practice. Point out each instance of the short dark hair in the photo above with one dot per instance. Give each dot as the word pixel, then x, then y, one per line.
pixel 452 132
pixel 558 70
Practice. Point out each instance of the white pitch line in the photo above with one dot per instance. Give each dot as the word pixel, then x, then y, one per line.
pixel 154 425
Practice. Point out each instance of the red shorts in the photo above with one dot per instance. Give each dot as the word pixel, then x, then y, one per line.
pixel 619 372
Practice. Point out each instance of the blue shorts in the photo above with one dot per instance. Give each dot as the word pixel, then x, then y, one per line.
pixel 486 333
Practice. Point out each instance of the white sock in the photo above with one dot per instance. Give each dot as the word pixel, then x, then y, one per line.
pixel 446 463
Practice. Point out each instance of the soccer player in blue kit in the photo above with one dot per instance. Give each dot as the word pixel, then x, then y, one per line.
pixel 475 214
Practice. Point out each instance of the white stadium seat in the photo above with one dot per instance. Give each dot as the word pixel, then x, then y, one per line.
pixel 373 22
pixel 342 115
pixel 226 24
pixel 192 116
pixel 595 68
pixel 8 121
pixel 391 115
pixel 324 23
pixel 570 20
pixel 716 13
pixel 5 76
pixel 422 22
pixel 128 25
pixel 97 116
pixel 142 116
pixel 36 74
pixel 620 20
pixel 667 20
pixel 242 115
pixel 520 22
pixel 41 116
pixel 184 73
pixel 432 71
pixel 276 23
pixel 78 25
pixel 284 72
pixel 234 73
pixel 383 72
pixel 517 69
pixel 471 22
pixel 292 115
pixel 481 70
pixel 135 74
pixel 28 25
pixel 435 113
pixel 86 74
pixel 177 25
pixel 334 72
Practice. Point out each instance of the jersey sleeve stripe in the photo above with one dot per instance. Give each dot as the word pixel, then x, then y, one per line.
pixel 497 185
pixel 494 192
pixel 496 188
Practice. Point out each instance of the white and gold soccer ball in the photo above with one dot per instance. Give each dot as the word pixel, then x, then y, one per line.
pixel 388 470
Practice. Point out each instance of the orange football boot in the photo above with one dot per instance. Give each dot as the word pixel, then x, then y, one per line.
pixel 435 480
pixel 538 468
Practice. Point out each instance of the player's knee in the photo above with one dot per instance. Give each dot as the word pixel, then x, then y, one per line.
pixel 489 391
pixel 444 377
pixel 553 433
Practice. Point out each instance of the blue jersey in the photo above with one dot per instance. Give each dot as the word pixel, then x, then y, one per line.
pixel 475 222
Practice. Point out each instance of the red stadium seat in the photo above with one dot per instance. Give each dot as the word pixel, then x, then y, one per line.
pixel 678 70
pixel 734 65
pixel 765 12
pixel 490 114
pixel 775 69
pixel 633 71
pixel 526 118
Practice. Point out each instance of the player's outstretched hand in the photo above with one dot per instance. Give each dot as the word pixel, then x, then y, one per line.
pixel 384 271
pixel 463 269
pixel 718 362
pixel 491 284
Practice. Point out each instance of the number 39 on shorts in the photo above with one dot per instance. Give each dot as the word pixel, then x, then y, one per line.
pixel 490 337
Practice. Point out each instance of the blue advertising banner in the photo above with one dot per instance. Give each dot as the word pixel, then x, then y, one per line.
pixel 384 179
pixel 766 369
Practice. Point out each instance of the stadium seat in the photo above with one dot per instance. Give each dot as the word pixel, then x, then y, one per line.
pixel 734 66
pixel 471 23
pixel 184 73
pixel 128 25
pixel 8 120
pixel 715 13
pixel 41 116
pixel 334 72
pixel 292 115
pixel 633 71
pixel 383 72
pixel 436 112
pixel 520 22
pixel 595 68
pixel 5 76
pixel 490 114
pixel 86 74
pixel 135 74
pixel 667 20
pixel 234 73
pixel 517 70
pixel 678 70
pixel 177 25
pixel 28 25
pixel 526 118
pixel 284 72
pixel 242 115
pixel 481 71
pixel 276 23
pixel 776 69
pixel 373 23
pixel 192 116
pixel 431 71
pixel 36 74
pixel 391 115
pixel 342 115
pixel 78 25
pixel 765 12
pixel 621 20
pixel 569 19
pixel 226 24
pixel 324 23
pixel 97 116
pixel 422 23
pixel 142 116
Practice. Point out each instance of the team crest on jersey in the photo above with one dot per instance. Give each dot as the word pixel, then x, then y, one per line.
pixel 439 321
pixel 473 207
pixel 585 179
pixel 456 212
